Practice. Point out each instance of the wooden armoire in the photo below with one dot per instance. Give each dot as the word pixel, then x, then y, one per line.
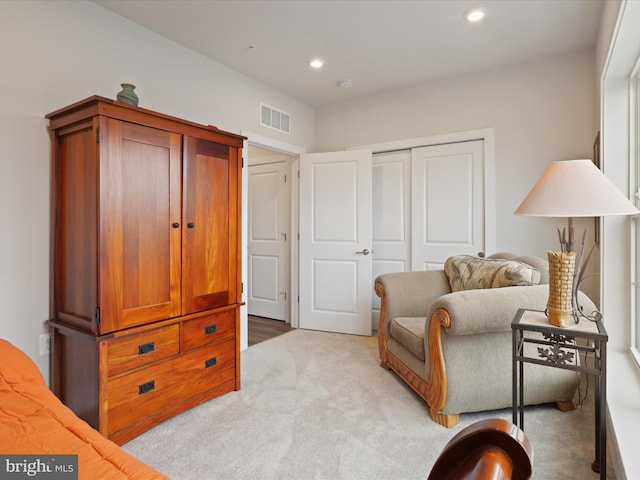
pixel 146 264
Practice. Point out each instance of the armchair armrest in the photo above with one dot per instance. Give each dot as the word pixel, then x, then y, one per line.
pixel 492 310
pixel 488 310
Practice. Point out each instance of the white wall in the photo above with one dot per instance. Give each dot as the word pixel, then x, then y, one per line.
pixel 56 53
pixel 542 112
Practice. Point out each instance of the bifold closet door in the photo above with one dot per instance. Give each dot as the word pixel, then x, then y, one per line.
pixel 391 218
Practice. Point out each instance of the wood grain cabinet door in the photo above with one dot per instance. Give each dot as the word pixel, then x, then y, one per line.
pixel 140 224
pixel 210 217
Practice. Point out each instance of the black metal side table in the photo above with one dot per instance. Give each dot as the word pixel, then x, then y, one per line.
pixel 560 348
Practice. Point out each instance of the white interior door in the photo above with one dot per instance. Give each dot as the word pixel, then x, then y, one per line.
pixel 448 203
pixel 267 240
pixel 335 242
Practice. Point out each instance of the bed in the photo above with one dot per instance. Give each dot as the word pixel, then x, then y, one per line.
pixel 33 421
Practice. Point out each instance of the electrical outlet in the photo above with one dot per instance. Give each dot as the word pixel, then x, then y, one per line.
pixel 45 344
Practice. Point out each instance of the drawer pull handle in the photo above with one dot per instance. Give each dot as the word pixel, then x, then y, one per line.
pixel 146 348
pixel 146 387
pixel 211 362
pixel 209 329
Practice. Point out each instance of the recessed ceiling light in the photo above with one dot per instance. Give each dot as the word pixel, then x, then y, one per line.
pixel 475 14
pixel 316 63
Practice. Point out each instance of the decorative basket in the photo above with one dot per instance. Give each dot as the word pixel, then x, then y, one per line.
pixel 559 305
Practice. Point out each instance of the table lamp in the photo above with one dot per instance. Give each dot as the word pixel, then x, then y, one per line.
pixel 571 188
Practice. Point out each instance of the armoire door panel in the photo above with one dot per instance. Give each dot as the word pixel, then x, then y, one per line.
pixel 207 233
pixel 146 217
pixel 140 230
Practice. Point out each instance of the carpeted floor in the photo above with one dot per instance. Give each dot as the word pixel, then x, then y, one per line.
pixel 316 405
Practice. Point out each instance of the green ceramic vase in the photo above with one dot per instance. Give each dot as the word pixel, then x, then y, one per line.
pixel 127 95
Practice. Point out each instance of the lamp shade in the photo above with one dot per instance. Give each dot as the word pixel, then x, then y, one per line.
pixel 575 188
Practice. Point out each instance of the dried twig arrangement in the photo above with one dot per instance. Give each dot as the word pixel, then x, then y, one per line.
pixel 579 276
pixel 566 245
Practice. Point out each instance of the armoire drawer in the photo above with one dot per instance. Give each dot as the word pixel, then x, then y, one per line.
pixel 217 327
pixel 127 353
pixel 138 395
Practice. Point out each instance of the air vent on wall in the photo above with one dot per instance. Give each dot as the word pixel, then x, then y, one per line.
pixel 272 118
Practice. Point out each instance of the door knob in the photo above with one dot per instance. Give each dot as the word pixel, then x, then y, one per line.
pixel 364 252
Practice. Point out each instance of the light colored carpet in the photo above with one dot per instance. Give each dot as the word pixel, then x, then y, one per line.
pixel 317 405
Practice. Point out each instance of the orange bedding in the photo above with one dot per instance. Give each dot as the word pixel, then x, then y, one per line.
pixel 34 421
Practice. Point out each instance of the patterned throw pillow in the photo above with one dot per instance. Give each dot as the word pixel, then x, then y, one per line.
pixel 466 272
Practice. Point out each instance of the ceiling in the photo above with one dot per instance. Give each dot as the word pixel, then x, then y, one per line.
pixel 380 45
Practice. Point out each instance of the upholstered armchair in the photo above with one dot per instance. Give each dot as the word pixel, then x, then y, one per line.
pixel 454 348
